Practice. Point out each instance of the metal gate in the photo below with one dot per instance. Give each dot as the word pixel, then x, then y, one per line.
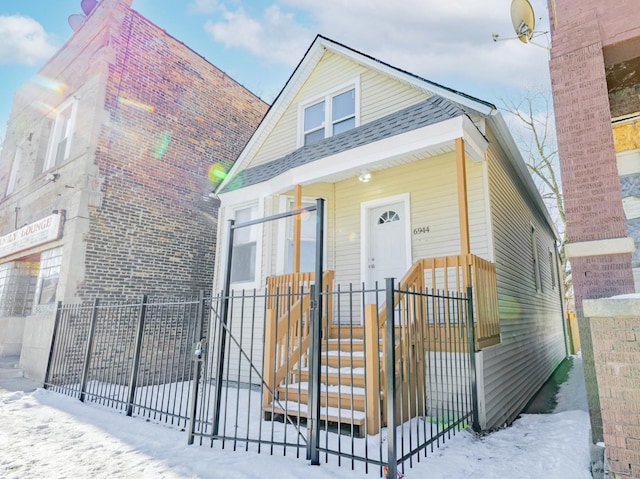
pixel 264 371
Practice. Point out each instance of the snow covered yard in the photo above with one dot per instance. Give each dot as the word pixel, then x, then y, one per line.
pixel 44 434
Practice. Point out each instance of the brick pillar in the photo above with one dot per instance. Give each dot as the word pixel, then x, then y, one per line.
pixel 600 260
pixel 615 326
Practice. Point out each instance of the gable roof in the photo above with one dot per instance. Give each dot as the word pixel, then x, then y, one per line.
pixel 433 110
pixel 304 69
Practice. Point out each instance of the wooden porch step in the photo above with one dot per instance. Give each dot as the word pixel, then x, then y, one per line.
pixel 343 359
pixel 334 377
pixel 346 398
pixel 344 343
pixel 332 416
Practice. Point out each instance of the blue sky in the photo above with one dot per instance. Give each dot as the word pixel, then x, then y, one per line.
pixel 259 42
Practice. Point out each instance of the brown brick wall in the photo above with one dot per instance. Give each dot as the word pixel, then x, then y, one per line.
pixel 171 116
pixel 616 342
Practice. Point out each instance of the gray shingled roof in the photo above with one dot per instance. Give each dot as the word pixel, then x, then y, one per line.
pixel 433 110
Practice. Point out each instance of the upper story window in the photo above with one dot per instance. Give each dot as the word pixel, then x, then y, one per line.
pixel 59 147
pixel 330 114
pixel 15 166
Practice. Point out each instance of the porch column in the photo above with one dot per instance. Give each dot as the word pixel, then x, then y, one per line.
pixel 463 212
pixel 297 204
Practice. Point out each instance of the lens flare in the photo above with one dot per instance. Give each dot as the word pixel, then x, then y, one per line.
pixel 216 173
pixel 49 83
pixel 136 104
pixel 161 144
pixel 352 237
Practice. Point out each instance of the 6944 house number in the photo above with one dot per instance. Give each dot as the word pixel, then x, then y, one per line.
pixel 420 230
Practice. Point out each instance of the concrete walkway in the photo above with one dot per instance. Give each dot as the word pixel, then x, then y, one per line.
pixel 12 377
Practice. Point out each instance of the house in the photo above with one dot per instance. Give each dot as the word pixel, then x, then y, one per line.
pixel 420 181
pixel 594 67
pixel 104 174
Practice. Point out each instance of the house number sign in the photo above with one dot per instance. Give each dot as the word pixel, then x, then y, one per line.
pixel 420 230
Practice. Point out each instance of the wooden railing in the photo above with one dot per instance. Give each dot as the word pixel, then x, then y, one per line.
pixel 448 274
pixel 286 335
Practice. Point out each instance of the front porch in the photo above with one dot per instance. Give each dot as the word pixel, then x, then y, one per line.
pixel 431 313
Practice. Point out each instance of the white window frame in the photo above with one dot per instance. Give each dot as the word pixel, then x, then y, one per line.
pixel 535 259
pixel 257 232
pixel 327 97
pixel 15 166
pixel 285 205
pixel 57 135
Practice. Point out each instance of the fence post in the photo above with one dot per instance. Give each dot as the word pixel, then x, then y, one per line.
pixel 222 339
pixel 198 359
pixel 89 350
pixel 390 393
pixel 56 325
pixel 315 340
pixel 133 380
pixel 372 368
pixel 471 339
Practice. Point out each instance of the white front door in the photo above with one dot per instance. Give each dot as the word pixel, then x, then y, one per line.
pixel 386 249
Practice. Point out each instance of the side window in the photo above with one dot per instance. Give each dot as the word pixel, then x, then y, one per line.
pixel 243 263
pixel 61 135
pixel 534 258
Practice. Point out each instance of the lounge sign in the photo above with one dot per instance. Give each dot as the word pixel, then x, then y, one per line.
pixel 34 234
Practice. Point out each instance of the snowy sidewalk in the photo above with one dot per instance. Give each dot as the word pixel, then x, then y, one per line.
pixel 44 434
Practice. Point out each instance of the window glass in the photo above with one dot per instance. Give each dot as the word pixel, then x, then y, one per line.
pixel 60 141
pixel 15 166
pixel 243 263
pixel 344 105
pixel 45 296
pixel 314 116
pixel 344 125
pixel 17 287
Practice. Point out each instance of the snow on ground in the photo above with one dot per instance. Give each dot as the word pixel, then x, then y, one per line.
pixel 44 434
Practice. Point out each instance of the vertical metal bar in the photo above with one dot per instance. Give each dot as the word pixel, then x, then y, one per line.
pixel 315 340
pixel 133 379
pixel 193 407
pixel 56 325
pixel 222 339
pixel 475 425
pixel 88 350
pixel 390 393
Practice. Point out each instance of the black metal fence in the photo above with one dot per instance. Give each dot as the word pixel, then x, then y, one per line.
pixel 290 371
pixel 395 381
pixel 134 356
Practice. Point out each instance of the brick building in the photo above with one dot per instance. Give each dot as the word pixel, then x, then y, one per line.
pixel 595 60
pixel 104 174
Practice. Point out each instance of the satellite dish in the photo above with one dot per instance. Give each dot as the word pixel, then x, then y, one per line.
pixel 88 6
pixel 523 19
pixel 76 21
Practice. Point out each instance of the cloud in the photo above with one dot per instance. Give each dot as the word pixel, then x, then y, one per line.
pixel 203 6
pixel 23 41
pixel 441 41
pixel 275 37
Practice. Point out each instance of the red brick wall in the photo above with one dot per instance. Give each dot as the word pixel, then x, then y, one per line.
pixel 171 116
pixel 616 343
pixel 590 183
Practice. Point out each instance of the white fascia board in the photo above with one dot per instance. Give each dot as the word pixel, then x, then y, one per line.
pixel 378 152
